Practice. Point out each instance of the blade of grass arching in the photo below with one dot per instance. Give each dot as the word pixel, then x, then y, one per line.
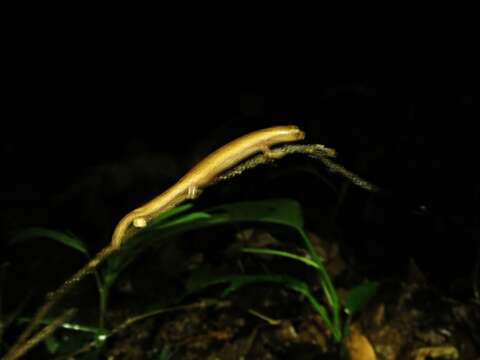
pixel 66 239
pixel 185 220
pixel 273 211
pixel 164 216
pixel 279 211
pixel 238 281
pixel 285 254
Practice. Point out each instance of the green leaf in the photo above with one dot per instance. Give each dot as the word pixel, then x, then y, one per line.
pixel 303 259
pixel 359 296
pixel 185 220
pixel 238 281
pixel 64 238
pixel 162 217
pixel 274 211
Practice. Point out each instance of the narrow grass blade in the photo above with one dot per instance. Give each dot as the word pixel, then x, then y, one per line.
pixel 64 238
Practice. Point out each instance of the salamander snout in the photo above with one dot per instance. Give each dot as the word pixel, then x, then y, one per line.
pixel 295 133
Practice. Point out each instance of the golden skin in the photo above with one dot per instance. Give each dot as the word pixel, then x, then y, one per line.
pixel 202 174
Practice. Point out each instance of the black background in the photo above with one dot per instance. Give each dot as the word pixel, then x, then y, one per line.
pixel 112 107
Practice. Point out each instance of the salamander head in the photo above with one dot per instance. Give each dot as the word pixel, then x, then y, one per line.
pixel 288 133
pixel 296 133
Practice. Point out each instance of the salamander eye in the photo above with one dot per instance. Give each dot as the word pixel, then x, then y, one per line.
pixel 139 222
pixel 299 134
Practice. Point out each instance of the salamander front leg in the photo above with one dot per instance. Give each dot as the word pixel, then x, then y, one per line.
pixel 271 154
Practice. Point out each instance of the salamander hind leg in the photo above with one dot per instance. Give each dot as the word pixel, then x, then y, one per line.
pixel 193 192
pixel 139 222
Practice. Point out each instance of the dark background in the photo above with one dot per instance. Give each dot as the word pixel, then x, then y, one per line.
pixel 101 112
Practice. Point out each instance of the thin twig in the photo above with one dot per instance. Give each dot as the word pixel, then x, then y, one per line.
pixel 275 154
pixel 339 169
pixel 41 335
